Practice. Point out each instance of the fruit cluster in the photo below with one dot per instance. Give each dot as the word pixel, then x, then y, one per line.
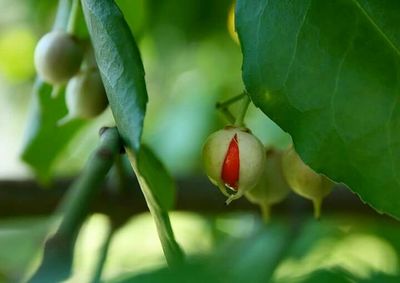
pixel 237 163
pixel 60 58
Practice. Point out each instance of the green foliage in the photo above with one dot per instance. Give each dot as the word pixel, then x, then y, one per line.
pixel 161 185
pixel 120 66
pixel 327 73
pixel 44 139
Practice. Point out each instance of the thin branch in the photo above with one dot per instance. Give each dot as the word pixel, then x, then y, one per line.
pixel 102 256
pixel 58 249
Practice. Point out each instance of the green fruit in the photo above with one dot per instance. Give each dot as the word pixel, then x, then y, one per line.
pixel 305 181
pixel 233 159
pixel 58 57
pixel 85 96
pixel 272 187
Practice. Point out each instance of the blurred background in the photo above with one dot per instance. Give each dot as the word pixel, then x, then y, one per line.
pixel 192 60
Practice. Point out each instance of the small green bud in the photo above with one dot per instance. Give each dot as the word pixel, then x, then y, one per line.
pixel 305 181
pixel 272 187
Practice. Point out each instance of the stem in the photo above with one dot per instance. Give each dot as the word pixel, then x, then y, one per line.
pixel 223 107
pixel 242 111
pixel 317 203
pixel 73 17
pixel 226 103
pixel 120 175
pixel 265 211
pixel 102 256
pixel 228 115
pixel 58 250
pixel 56 90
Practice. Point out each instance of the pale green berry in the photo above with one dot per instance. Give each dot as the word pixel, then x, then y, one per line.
pixel 272 187
pixel 233 159
pixel 85 96
pixel 305 181
pixel 58 57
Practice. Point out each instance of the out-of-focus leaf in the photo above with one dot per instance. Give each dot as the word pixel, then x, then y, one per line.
pixel 326 276
pixel 255 258
pixel 44 139
pixel 189 273
pixel 16 53
pixel 135 14
pixel 327 72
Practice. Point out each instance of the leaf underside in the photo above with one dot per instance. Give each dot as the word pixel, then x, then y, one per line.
pixel 328 72
pixel 120 66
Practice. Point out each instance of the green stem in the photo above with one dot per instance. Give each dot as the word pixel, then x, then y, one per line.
pixel 223 106
pixel 120 174
pixel 226 103
pixel 58 250
pixel 265 211
pixel 228 115
pixel 73 17
pixel 56 90
pixel 242 111
pixel 102 256
pixel 317 203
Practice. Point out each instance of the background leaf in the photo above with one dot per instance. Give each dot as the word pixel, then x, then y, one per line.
pixel 328 73
pixel 44 139
pixel 120 66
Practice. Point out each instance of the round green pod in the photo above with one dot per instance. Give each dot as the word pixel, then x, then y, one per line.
pixel 272 187
pixel 85 96
pixel 304 180
pixel 58 57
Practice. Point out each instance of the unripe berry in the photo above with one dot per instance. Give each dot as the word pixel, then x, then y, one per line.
pixel 85 96
pixel 233 158
pixel 272 186
pixel 305 181
pixel 58 57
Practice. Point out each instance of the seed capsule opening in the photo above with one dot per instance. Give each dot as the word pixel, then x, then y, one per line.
pixel 231 166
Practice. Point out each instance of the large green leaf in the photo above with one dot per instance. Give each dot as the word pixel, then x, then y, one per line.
pixel 122 72
pixel 328 72
pixel 120 66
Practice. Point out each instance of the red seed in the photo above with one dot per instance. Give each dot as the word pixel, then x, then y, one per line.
pixel 231 165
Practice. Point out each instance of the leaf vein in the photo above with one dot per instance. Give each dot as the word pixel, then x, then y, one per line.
pixel 375 25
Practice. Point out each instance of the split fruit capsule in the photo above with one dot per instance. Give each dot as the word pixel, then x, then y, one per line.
pixel 234 160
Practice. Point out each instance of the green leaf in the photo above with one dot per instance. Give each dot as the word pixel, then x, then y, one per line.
pixel 327 72
pixel 157 178
pixel 120 65
pixel 122 72
pixel 159 191
pixel 44 139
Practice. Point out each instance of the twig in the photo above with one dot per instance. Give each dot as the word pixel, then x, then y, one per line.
pixel 102 256
pixel 58 249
